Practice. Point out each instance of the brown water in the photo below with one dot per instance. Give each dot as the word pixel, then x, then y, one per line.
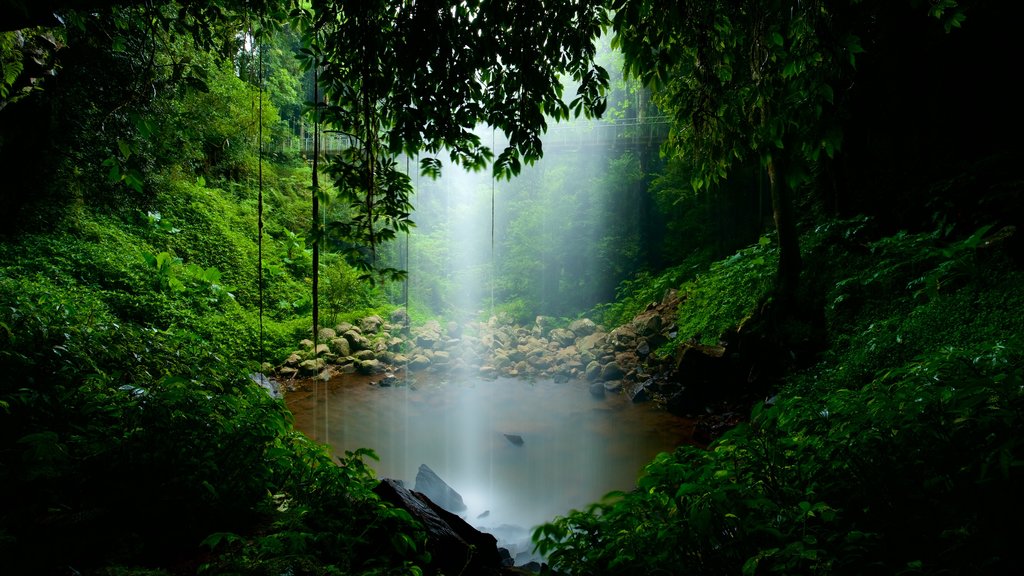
pixel 576 448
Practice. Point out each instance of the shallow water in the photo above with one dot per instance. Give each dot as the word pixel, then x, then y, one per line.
pixel 576 448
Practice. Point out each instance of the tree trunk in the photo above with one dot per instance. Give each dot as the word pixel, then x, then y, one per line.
pixel 785 229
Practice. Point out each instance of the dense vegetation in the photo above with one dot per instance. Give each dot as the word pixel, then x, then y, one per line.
pixel 841 181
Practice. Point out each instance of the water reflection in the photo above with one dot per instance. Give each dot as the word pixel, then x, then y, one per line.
pixel 575 448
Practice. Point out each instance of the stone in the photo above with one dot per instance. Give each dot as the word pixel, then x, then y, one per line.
pixel 647 324
pixel 322 349
pixel 371 324
pixel 638 391
pixel 363 355
pixel 341 346
pixel 372 366
pixel 591 341
pixel 454 547
pixel 310 367
pixel 515 439
pixel 293 359
pixel 356 340
pixel 593 371
pixel 597 390
pixel 268 384
pixel 419 362
pixel 433 487
pixel 583 327
pixel 562 336
pixel 342 328
pixel 399 316
pixel 611 371
pixel 325 334
pixel 614 386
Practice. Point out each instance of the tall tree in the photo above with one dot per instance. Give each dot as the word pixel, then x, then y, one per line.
pixel 751 81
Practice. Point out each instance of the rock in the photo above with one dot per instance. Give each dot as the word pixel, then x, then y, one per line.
pixel 614 386
pixel 293 359
pixel 287 372
pixel 419 362
pixel 597 390
pixel 623 338
pixel 612 371
pixel 454 330
pixel 311 367
pixel 371 324
pixel 638 391
pixel 591 341
pixel 372 366
pixel 356 340
pixel 488 371
pixel 364 355
pixel 562 336
pixel 433 487
pixel 306 343
pixel 583 327
pixel 343 327
pixel 388 380
pixel 400 316
pixel 593 371
pixel 322 349
pixel 453 545
pixel 515 439
pixel 325 334
pixel 648 324
pixel 341 346
pixel 271 386
pixel 395 344
pixel 643 349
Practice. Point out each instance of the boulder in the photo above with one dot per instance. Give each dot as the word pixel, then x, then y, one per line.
pixel 593 371
pixel 343 327
pixel 400 317
pixel 325 334
pixel 341 346
pixel 311 367
pixel 453 545
pixel 433 487
pixel 583 327
pixel 356 340
pixel 597 390
pixel 371 324
pixel 372 366
pixel 647 324
pixel 611 371
pixel 419 362
pixel 591 341
pixel 638 391
pixel 562 336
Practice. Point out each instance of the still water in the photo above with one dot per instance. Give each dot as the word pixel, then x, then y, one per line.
pixel 575 447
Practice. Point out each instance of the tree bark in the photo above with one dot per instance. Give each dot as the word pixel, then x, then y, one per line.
pixel 790 263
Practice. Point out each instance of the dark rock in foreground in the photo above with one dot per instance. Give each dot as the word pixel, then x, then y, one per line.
pixel 455 547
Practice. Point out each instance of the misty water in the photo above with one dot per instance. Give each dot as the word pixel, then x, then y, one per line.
pixel 575 449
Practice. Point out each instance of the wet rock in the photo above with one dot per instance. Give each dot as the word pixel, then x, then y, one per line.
pixel 615 386
pixel 433 487
pixel 388 381
pixel 647 324
pixel 611 371
pixel 453 545
pixel 593 371
pixel 372 366
pixel 311 367
pixel 597 390
pixel 643 349
pixel 268 384
pixel 591 341
pixel 515 439
pixel 454 330
pixel 623 338
pixel 639 391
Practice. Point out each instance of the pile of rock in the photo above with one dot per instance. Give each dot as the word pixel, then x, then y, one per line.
pixel 613 361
